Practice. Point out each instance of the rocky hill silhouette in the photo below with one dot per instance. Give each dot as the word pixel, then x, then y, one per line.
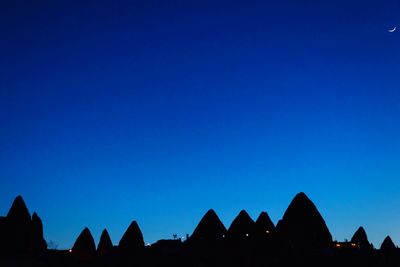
pixel 264 226
pixel 19 231
pixel 388 245
pixel 209 229
pixel 132 242
pixel 301 238
pixel 302 226
pixel 360 238
pixel 105 245
pixel 264 223
pixel 84 247
pixel 242 227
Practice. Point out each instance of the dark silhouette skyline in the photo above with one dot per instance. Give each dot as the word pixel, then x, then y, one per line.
pixel 161 110
pixel 301 237
pixel 302 226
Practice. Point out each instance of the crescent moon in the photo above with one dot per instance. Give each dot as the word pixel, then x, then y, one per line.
pixel 392 30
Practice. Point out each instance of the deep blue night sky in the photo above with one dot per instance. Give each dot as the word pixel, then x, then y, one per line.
pixel 159 110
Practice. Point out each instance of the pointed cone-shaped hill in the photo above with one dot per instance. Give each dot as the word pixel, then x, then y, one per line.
pixel 18 212
pixel 388 245
pixel 38 242
pixel 264 223
pixel 264 226
pixel 84 244
pixel 242 226
pixel 361 239
pixel 105 245
pixel 19 228
pixel 302 225
pixel 210 228
pixel 132 239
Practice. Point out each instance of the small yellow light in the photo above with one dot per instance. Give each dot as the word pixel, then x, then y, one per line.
pixel 70 250
pixel 338 245
pixel 267 232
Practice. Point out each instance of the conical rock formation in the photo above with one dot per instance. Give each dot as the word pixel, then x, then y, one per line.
pixel 18 227
pixel 38 242
pixel 302 226
pixel 105 245
pixel 361 239
pixel 388 245
pixel 264 227
pixel 84 247
pixel 242 227
pixel 132 240
pixel 18 212
pixel 264 223
pixel 210 228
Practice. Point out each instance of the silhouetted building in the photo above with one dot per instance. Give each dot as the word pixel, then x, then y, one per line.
pixel 84 247
pixel 360 238
pixel 242 227
pixel 105 245
pixel 345 245
pixel 302 226
pixel 210 228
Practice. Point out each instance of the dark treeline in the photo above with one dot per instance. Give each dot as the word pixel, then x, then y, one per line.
pixel 300 238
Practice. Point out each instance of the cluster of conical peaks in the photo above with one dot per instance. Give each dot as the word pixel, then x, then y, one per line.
pixel 302 228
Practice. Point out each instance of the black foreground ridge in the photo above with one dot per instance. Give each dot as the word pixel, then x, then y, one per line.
pixel 301 238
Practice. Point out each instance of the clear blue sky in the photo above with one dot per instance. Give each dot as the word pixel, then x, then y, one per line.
pixel 159 110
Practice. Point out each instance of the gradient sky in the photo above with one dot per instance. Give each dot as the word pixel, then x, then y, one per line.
pixel 159 110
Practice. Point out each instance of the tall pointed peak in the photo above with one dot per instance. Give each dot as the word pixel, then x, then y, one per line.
pixel 210 213
pixel 360 237
pixel 242 226
pixel 302 225
pixel 209 228
pixel 18 211
pixel 132 238
pixel 264 222
pixel 301 199
pixel 387 244
pixel 301 195
pixel 105 245
pixel 84 244
pixel 36 219
pixel 35 216
pixel 243 214
pixel 38 242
